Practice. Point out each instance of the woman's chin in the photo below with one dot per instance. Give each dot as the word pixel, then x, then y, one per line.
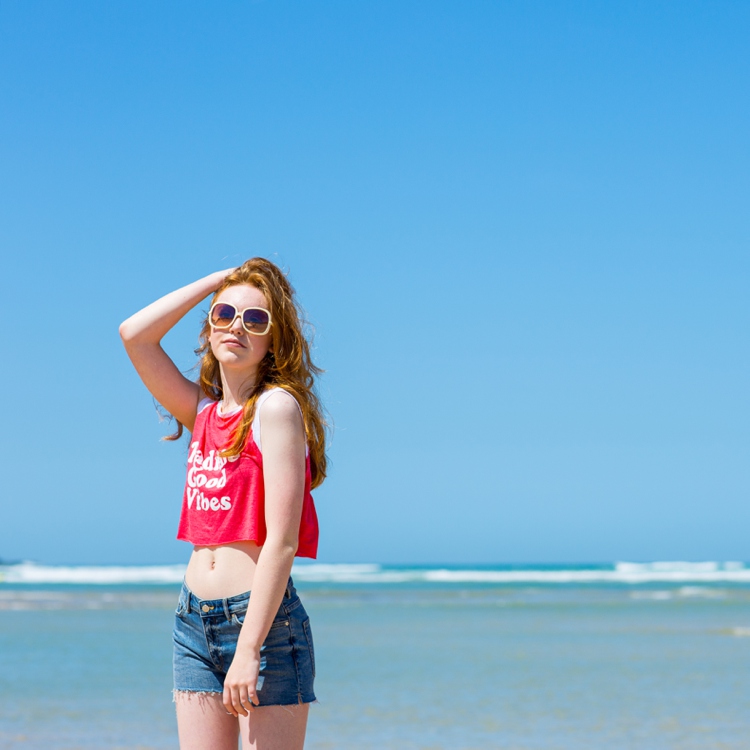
pixel 238 361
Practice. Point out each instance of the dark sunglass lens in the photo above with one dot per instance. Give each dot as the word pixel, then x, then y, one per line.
pixel 223 315
pixel 256 320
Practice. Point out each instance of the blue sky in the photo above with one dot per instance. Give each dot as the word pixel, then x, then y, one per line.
pixel 520 230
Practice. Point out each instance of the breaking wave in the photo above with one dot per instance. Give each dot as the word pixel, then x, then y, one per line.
pixel 627 573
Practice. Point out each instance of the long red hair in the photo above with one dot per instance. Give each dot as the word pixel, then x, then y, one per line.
pixel 287 364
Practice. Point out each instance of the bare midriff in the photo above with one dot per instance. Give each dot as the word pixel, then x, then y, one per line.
pixel 222 571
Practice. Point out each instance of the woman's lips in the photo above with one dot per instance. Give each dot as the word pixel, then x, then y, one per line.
pixel 233 342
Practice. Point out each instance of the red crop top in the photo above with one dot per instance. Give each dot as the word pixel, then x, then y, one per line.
pixel 224 499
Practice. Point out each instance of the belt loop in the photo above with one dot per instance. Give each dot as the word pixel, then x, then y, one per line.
pixel 226 609
pixel 289 588
pixel 188 596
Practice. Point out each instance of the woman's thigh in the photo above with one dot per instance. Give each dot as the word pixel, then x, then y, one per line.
pixel 275 727
pixel 203 722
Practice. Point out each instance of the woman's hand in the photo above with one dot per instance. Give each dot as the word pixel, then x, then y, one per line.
pixel 221 275
pixel 240 694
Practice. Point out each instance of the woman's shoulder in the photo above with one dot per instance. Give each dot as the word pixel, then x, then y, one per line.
pixel 280 408
pixel 204 403
pixel 279 399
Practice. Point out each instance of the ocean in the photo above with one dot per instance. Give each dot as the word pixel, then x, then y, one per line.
pixel 642 656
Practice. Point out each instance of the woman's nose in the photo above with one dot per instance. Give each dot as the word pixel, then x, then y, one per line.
pixel 236 324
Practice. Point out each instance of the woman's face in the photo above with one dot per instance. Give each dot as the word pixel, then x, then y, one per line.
pixel 234 347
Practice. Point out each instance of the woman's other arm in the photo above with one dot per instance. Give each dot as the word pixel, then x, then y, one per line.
pixel 142 334
pixel 283 441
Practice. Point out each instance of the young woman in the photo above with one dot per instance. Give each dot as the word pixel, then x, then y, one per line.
pixel 242 663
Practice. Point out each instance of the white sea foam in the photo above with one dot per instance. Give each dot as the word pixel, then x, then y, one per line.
pixel 688 574
pixel 626 573
pixel 652 595
pixel 682 572
pixel 364 573
pixel 28 572
pixel 701 592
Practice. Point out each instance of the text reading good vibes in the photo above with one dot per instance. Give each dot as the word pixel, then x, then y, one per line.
pixel 206 473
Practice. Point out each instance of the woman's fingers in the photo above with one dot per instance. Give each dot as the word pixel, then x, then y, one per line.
pixel 252 697
pixel 240 699
pixel 240 687
pixel 239 707
pixel 248 698
pixel 232 701
pixel 226 699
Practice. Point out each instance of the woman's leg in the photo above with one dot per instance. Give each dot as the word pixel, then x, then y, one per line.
pixel 203 722
pixel 275 727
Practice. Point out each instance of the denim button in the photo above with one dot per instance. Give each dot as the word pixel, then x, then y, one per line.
pixel 205 607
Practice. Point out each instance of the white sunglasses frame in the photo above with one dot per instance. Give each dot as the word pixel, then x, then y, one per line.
pixel 240 314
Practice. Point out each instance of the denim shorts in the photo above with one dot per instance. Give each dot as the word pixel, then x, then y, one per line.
pixel 205 639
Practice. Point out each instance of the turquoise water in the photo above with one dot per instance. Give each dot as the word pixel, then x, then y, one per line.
pixel 407 663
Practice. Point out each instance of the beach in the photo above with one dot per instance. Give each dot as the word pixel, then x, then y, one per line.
pixel 511 657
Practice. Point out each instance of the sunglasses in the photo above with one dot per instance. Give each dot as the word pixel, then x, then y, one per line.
pixel 255 320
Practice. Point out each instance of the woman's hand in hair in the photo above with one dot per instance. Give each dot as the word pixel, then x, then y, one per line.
pixel 220 276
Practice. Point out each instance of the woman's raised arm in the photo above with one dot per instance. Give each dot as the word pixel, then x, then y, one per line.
pixel 142 334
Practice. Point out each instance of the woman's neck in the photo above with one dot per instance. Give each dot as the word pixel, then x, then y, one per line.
pixel 235 388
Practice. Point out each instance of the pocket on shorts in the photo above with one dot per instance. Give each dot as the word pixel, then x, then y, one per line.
pixel 280 621
pixel 238 618
pixel 308 636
